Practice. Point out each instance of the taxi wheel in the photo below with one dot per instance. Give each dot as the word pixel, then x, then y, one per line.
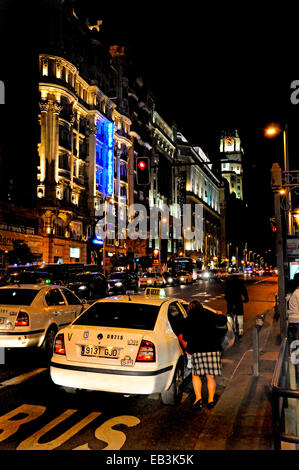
pixel 173 396
pixel 48 344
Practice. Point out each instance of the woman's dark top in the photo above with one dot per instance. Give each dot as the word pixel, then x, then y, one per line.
pixel 201 332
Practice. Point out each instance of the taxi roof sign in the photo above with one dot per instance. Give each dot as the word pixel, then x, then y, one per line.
pixel 155 292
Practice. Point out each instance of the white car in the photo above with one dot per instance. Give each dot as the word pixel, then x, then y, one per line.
pixel 151 280
pixel 31 315
pixel 185 277
pixel 125 344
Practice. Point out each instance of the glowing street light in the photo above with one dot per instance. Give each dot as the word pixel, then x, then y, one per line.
pixel 272 130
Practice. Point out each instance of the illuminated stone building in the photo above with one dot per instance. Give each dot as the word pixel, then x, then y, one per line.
pixel 198 184
pixel 231 154
pixel 83 160
pixel 163 190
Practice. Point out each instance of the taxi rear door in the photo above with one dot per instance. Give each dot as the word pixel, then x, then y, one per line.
pixel 57 309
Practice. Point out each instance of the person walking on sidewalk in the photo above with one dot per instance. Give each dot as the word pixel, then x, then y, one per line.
pixel 204 344
pixel 235 295
pixel 293 310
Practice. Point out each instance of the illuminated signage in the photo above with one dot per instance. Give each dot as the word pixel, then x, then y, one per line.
pixel 74 252
pixel 110 159
pixel 97 241
pixel 105 158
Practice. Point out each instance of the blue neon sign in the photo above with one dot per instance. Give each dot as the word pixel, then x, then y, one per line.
pixel 105 158
pixel 110 160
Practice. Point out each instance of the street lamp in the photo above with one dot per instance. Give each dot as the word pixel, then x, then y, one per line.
pixel 272 131
pixel 164 220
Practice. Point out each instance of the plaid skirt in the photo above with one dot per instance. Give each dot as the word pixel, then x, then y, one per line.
pixel 206 363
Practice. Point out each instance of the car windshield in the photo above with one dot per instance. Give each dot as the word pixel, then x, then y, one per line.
pixel 149 275
pixel 120 315
pixel 17 296
pixel 116 276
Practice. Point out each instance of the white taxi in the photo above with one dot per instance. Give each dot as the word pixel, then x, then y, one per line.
pixel 151 280
pixel 31 315
pixel 124 344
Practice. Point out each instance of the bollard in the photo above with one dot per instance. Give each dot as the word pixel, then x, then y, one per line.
pixel 2 356
pixel 259 321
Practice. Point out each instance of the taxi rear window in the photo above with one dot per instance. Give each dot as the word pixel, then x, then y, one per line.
pixel 17 296
pixel 120 315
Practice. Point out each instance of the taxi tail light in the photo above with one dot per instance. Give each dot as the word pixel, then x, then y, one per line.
pixel 59 347
pixel 22 319
pixel 146 352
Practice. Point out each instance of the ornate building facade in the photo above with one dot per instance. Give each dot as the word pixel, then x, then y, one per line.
pixel 199 185
pixel 83 153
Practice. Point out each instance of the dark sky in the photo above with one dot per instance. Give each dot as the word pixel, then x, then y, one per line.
pixel 218 67
pixel 211 67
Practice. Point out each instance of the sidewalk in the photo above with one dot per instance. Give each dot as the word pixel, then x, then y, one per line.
pixel 242 418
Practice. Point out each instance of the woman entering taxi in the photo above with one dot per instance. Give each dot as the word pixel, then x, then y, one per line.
pixel 204 344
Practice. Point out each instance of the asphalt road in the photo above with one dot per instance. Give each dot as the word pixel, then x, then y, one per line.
pixel 37 415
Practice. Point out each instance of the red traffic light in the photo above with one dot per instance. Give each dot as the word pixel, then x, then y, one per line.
pixel 142 165
pixel 142 171
pixel 274 229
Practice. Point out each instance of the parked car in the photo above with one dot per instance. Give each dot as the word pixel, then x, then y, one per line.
pixel 31 315
pixel 127 346
pixel 151 280
pixel 89 285
pixel 121 282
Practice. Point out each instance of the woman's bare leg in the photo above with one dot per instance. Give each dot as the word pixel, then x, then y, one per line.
pixel 197 386
pixel 211 384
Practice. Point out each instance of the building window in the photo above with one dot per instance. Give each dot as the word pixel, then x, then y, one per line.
pixel 123 191
pixel 64 162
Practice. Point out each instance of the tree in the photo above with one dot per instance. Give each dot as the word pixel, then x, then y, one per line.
pixel 21 253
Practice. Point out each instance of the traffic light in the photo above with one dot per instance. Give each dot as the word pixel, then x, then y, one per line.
pixel 142 168
pixel 273 224
pixel 156 253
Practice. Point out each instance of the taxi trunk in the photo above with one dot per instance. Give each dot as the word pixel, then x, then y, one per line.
pixel 104 346
pixel 8 317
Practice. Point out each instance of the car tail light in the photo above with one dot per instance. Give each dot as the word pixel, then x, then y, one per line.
pixel 22 319
pixel 59 347
pixel 146 352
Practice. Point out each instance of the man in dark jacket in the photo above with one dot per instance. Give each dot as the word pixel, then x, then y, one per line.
pixel 235 295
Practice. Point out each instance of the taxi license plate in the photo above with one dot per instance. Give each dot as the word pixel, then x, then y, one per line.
pixel 99 351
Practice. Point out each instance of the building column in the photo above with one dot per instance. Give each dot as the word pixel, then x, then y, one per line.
pixel 92 141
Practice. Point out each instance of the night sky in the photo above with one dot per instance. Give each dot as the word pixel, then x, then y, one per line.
pixel 214 68
pixel 211 67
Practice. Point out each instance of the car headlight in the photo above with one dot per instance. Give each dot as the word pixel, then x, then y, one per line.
pixel 118 284
pixel 206 275
pixel 170 279
pixel 82 287
pixel 149 281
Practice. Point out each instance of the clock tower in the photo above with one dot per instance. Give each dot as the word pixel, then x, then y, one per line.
pixel 231 155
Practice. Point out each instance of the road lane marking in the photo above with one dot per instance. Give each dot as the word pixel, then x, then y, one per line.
pixel 32 442
pixel 21 378
pixel 114 438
